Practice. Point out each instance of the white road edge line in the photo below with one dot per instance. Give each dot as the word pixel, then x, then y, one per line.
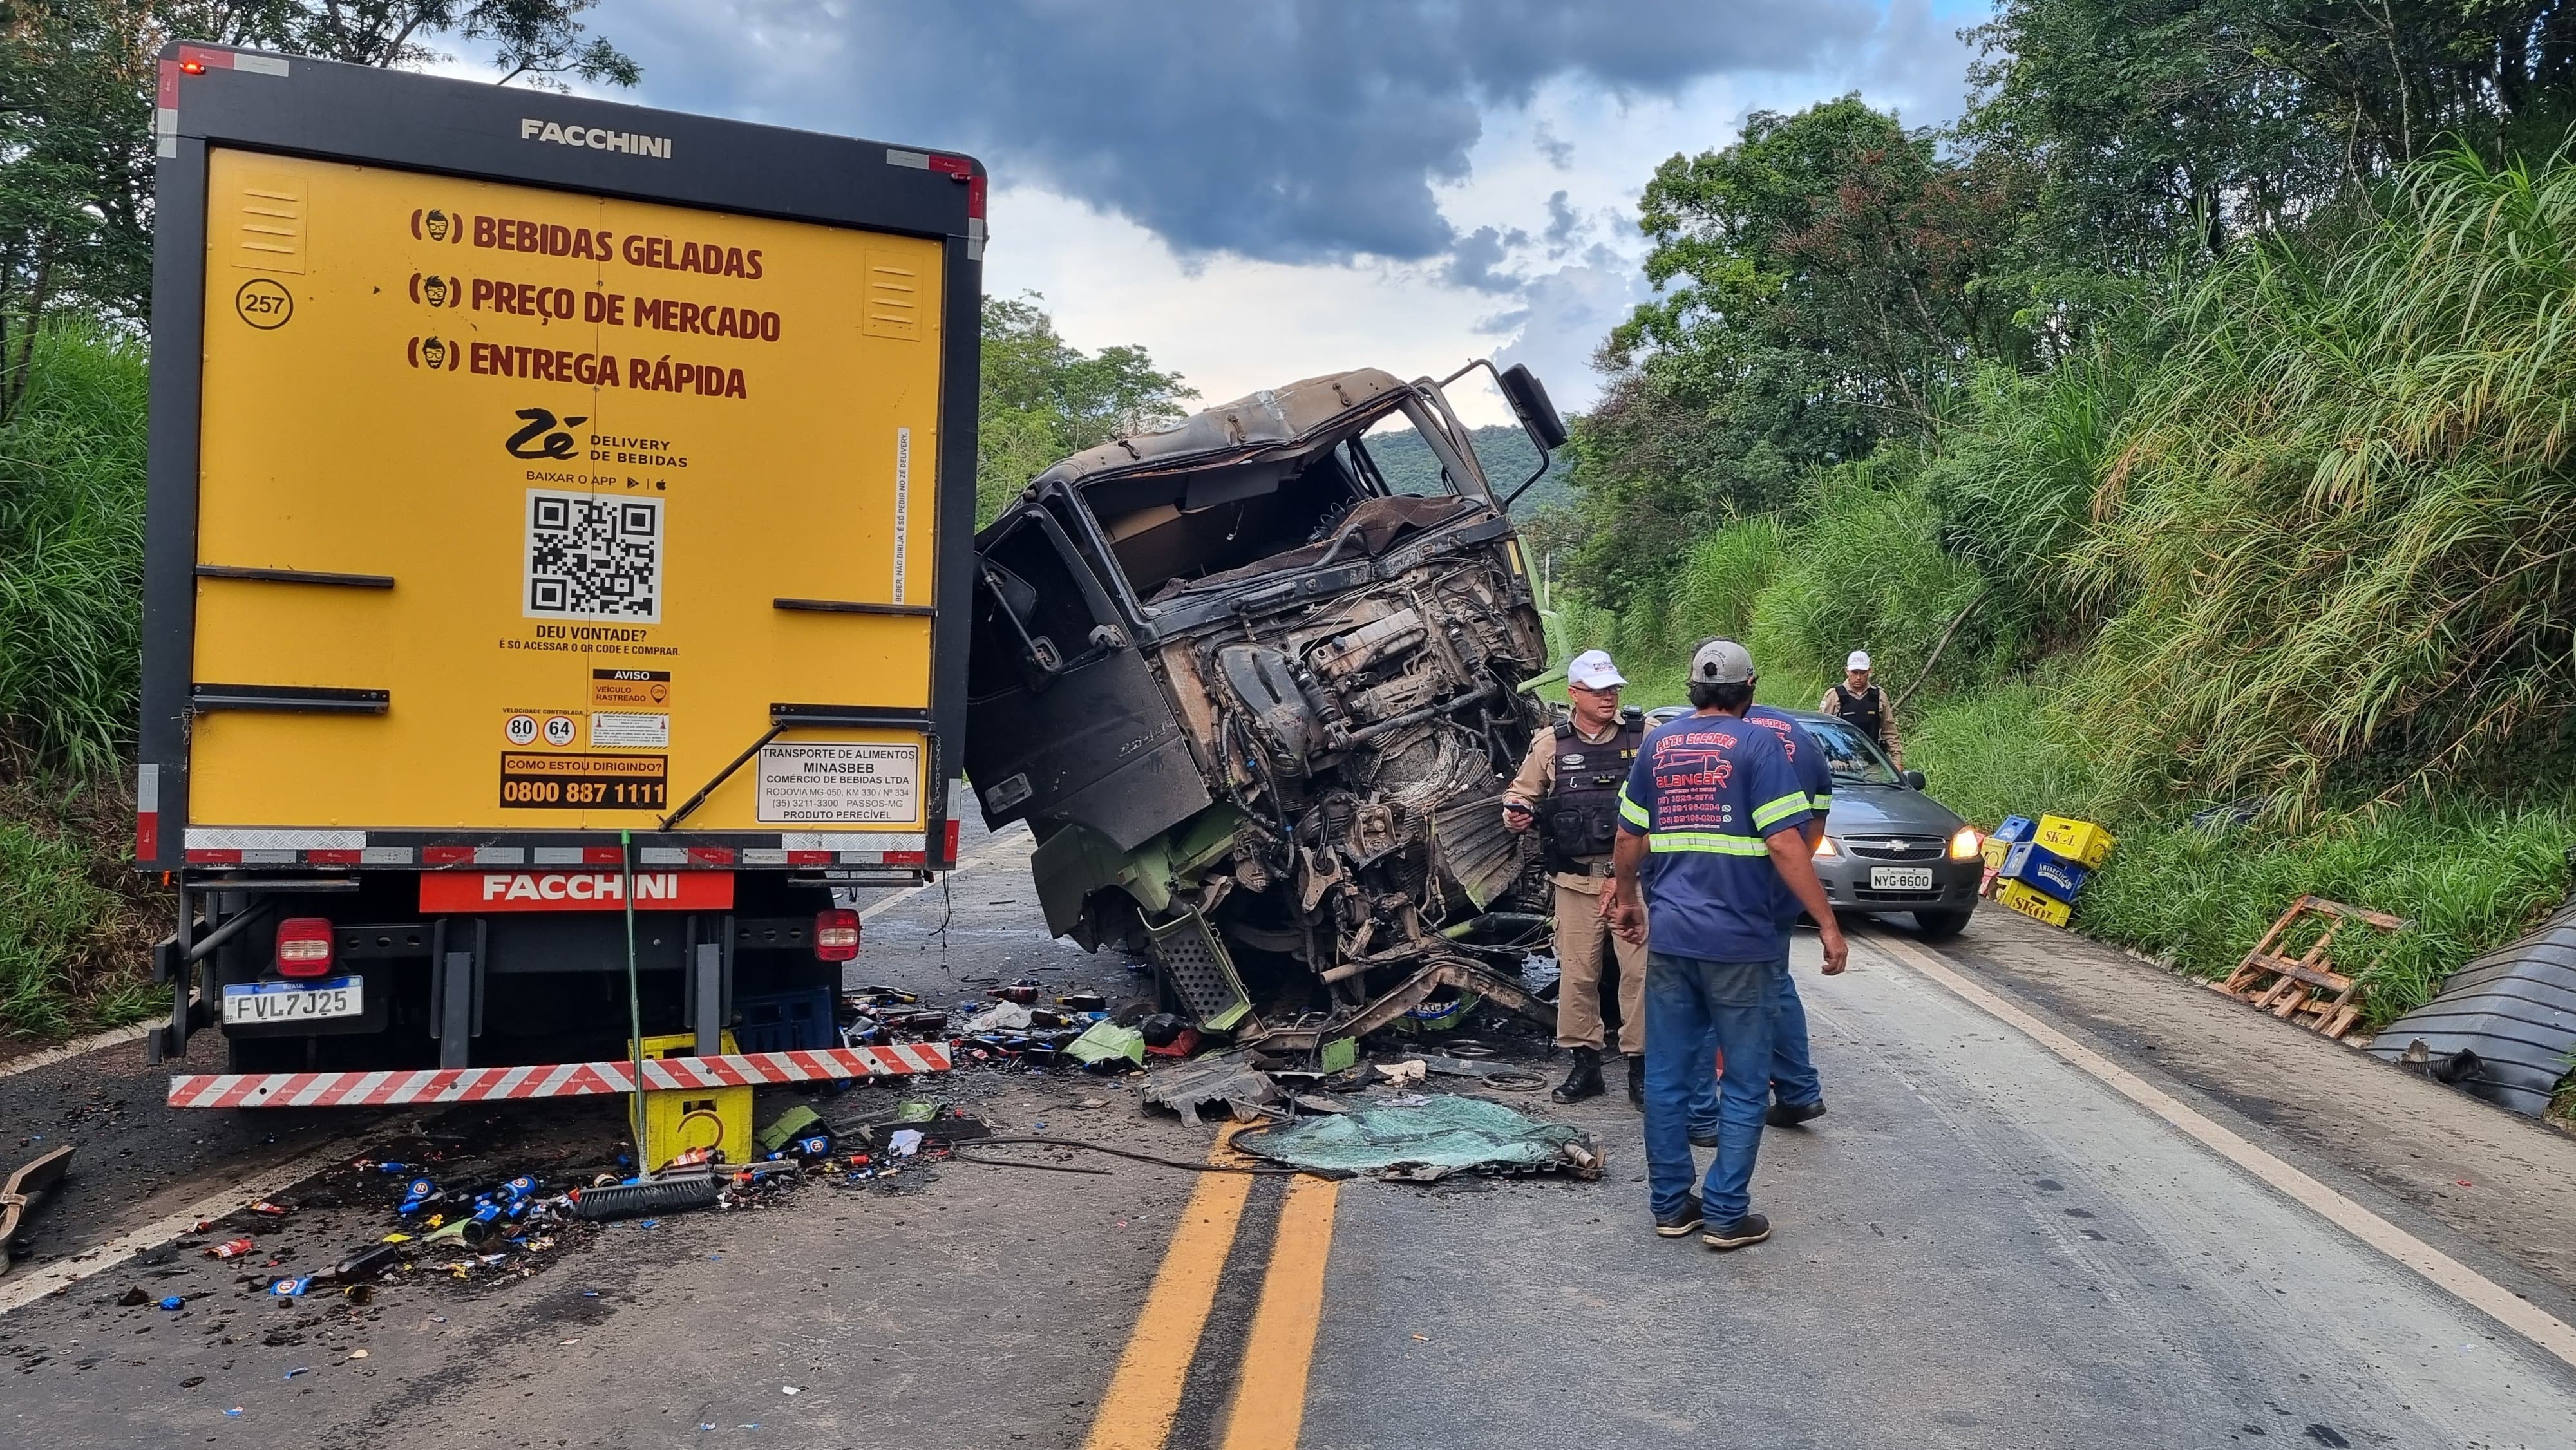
pixel 78 1047
pixel 26 1286
pixel 2446 1273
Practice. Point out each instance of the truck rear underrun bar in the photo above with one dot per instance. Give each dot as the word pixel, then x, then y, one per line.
pixel 547 1080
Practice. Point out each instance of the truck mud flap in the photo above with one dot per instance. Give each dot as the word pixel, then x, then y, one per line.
pixel 1195 962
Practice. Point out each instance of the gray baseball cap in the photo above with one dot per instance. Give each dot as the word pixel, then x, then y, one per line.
pixel 1721 662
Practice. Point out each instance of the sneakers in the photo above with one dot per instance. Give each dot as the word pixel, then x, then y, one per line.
pixel 1753 1228
pixel 1584 1081
pixel 1703 1137
pixel 1680 1221
pixel 1791 1115
pixel 1637 1080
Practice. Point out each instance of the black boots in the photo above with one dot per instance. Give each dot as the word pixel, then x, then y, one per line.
pixel 1637 1080
pixel 1584 1081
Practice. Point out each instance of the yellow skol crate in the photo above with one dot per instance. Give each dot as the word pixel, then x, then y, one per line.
pixel 1996 850
pixel 2033 904
pixel 2081 842
pixel 684 1118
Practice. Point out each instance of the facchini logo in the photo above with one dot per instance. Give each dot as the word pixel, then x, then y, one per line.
pixel 633 143
pixel 487 891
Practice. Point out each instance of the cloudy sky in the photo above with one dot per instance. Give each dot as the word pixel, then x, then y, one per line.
pixel 1306 185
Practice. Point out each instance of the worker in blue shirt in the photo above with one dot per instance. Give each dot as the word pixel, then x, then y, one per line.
pixel 1798 1094
pixel 1710 829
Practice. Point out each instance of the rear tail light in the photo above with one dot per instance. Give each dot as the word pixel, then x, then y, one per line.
pixel 304 946
pixel 836 935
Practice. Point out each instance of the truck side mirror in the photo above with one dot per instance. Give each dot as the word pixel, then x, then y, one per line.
pixel 1530 401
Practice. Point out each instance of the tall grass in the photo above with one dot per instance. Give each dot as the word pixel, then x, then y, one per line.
pixel 1723 578
pixel 71 949
pixel 1865 570
pixel 2341 521
pixel 2002 752
pixel 71 554
pixel 71 546
pixel 2469 875
pixel 2014 485
pixel 2468 878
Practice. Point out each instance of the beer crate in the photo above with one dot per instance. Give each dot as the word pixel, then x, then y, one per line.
pixel 2033 904
pixel 2044 871
pixel 2081 842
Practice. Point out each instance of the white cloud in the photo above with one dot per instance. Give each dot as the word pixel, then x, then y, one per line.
pixel 1534 187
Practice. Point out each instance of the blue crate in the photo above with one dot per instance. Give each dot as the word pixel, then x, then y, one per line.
pixel 2016 829
pixel 785 1021
pixel 2044 871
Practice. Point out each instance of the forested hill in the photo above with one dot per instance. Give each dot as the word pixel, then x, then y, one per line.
pixel 1503 448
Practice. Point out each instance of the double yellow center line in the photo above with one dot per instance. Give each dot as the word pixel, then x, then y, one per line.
pixel 1269 1402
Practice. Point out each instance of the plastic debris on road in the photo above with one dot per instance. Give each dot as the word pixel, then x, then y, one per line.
pixel 1228 1078
pixel 1106 1042
pixel 1001 1017
pixel 1427 1140
pixel 797 1122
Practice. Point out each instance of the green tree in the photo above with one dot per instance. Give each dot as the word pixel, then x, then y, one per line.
pixel 542 40
pixel 1824 284
pixel 1044 399
pixel 2163 130
pixel 76 97
pixel 75 170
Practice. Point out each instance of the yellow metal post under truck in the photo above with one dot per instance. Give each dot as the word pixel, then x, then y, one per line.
pixel 559 517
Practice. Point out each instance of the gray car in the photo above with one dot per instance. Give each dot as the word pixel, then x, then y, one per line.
pixel 1888 847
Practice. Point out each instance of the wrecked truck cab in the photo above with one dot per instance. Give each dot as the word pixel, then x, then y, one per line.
pixel 1255 684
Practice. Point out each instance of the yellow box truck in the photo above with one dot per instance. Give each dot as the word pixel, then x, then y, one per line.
pixel 560 513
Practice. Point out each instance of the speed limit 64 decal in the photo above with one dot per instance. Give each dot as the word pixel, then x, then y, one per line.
pixel 602 782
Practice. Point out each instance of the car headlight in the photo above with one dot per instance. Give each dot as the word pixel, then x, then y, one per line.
pixel 1966 844
pixel 1826 846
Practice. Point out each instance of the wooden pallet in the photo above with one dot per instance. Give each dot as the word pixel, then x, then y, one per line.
pixel 2305 989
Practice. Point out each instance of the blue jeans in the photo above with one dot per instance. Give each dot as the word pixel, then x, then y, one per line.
pixel 1688 1002
pixel 1793 1066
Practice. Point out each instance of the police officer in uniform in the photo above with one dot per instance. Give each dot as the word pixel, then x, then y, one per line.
pixel 1863 706
pixel 1568 791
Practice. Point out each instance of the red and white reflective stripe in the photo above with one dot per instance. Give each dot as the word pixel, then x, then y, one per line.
pixel 238 846
pixel 546 1080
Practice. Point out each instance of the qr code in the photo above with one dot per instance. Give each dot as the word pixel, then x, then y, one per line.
pixel 594 558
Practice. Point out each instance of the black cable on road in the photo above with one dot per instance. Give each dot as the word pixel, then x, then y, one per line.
pixel 1253 1170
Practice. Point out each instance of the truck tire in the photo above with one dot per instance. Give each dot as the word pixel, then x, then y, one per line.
pixel 1941 925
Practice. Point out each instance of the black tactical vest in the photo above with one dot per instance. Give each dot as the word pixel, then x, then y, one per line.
pixel 1862 711
pixel 1580 818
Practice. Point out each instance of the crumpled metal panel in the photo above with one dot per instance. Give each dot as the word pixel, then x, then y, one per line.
pixel 2514 1008
pixel 1268 418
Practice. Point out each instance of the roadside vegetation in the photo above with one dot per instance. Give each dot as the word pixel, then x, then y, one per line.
pixel 73 924
pixel 2189 450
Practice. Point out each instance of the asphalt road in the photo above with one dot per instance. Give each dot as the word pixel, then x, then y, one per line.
pixel 1982 1244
